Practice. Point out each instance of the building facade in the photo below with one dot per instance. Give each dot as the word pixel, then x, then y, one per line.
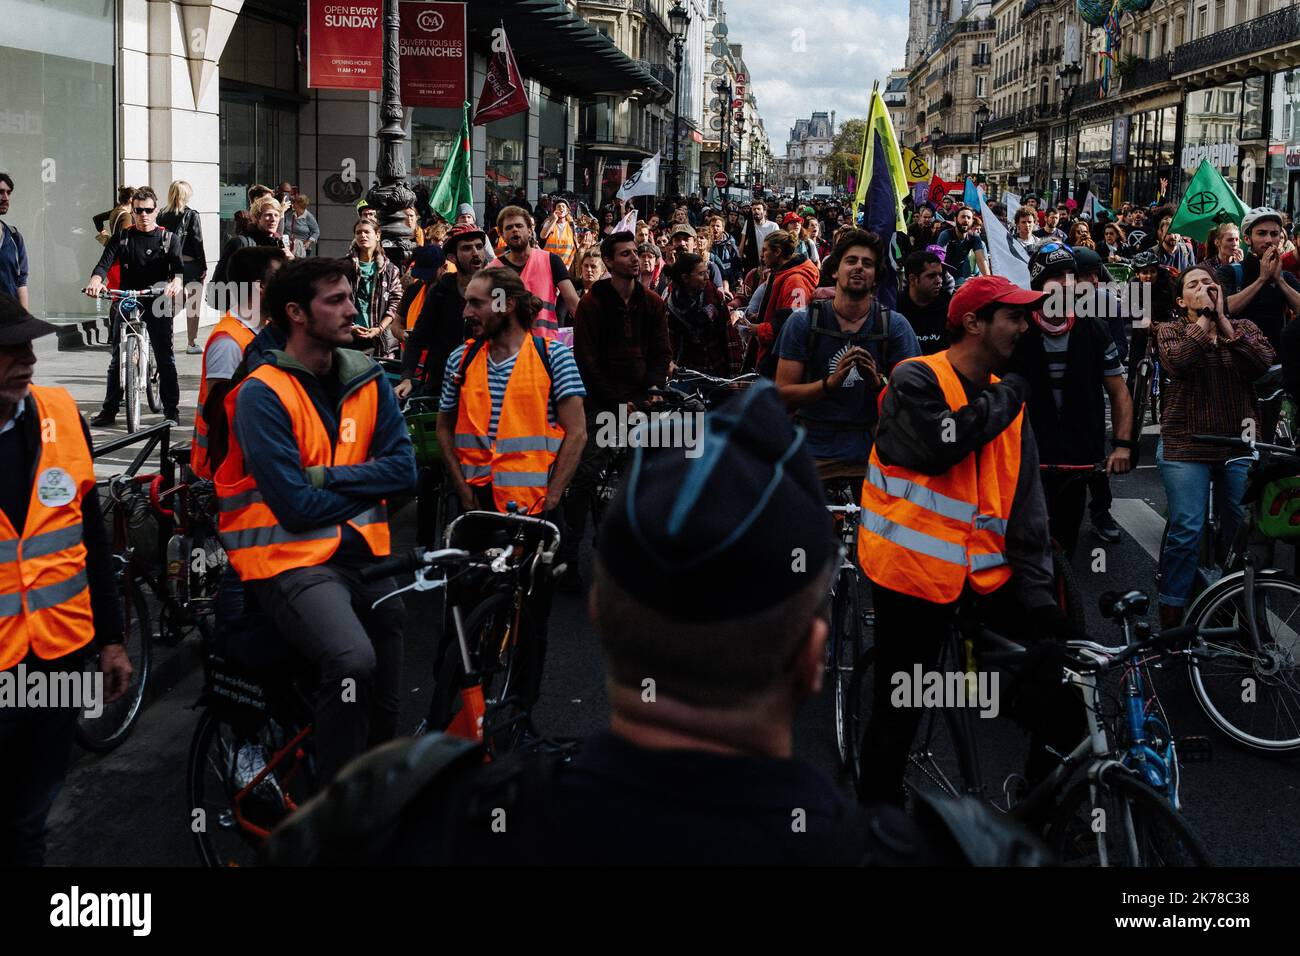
pixel 808 154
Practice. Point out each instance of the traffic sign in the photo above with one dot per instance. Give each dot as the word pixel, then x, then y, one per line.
pixel 720 180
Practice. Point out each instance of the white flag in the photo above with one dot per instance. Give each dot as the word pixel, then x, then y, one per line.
pixel 1012 202
pixel 1007 255
pixel 1090 207
pixel 628 222
pixel 643 182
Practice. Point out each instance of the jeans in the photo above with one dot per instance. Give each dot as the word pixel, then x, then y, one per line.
pixel 1187 489
pixel 324 614
pixel 160 338
pixel 35 750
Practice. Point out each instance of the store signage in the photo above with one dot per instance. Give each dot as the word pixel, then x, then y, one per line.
pixel 232 199
pixel 1219 154
pixel 431 42
pixel 1119 140
pixel 344 45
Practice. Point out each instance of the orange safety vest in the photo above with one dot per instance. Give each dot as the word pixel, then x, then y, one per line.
pixel 417 303
pixel 536 276
pixel 255 542
pixel 242 334
pixel 518 463
pixel 562 242
pixel 44 594
pixel 927 535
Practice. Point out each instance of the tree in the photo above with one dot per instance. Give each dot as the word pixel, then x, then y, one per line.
pixel 846 153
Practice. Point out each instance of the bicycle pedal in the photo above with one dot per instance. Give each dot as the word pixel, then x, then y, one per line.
pixel 1195 749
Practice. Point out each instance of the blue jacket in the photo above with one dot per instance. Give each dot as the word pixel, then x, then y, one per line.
pixel 303 499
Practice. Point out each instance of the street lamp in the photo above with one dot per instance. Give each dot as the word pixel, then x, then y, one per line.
pixel 1069 77
pixel 391 195
pixel 981 117
pixel 678 19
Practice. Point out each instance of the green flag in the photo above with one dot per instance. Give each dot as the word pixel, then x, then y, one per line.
pixel 453 186
pixel 1208 201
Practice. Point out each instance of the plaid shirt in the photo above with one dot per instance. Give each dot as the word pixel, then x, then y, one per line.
pixel 1209 385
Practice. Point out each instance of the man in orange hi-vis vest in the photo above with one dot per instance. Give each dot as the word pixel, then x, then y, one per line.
pixel 512 428
pixel 58 590
pixel 317 448
pixel 544 273
pixel 952 505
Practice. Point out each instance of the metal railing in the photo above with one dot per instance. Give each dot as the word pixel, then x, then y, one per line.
pixel 953 28
pixel 660 71
pixel 981 59
pixel 1151 72
pixel 1273 29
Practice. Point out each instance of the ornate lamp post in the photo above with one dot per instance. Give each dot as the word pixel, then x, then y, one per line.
pixel 391 196
pixel 678 19
pixel 1069 77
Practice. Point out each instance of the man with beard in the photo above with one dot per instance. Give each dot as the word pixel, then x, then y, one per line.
pixel 512 431
pixel 925 301
pixel 832 357
pixel 317 447
pixel 962 244
pixel 952 503
pixel 440 327
pixel 543 273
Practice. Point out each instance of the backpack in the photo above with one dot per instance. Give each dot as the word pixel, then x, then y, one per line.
pixel 539 343
pixel 860 337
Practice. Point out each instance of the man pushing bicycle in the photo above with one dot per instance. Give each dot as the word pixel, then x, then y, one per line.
pixel 147 254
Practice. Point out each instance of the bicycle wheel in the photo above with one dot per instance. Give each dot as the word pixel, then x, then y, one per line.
pixel 492 654
pixel 1067 589
pixel 1134 824
pixel 226 755
pixel 105 731
pixel 152 388
pixel 1252 694
pixel 133 384
pixel 858 711
pixel 845 646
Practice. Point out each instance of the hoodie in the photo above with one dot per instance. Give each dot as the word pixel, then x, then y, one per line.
pixel 306 498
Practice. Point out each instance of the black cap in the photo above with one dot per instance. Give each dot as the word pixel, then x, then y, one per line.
pixel 17 325
pixel 1049 260
pixel 736 528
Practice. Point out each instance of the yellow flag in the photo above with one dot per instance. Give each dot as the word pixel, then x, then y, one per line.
pixel 916 169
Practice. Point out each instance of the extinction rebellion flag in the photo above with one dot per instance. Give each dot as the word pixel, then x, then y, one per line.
pixel 503 89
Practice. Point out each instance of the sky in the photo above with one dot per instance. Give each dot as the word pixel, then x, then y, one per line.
pixel 810 55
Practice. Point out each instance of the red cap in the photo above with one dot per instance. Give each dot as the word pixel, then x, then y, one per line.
pixel 791 217
pixel 980 291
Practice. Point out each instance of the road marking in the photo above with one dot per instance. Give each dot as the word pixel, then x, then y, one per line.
pixel 1151 430
pixel 1141 521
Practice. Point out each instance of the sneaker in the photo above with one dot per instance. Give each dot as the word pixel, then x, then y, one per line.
pixel 570 581
pixel 104 419
pixel 1104 526
pixel 193 350
pixel 172 414
pixel 250 760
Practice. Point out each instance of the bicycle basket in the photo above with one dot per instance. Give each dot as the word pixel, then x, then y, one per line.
pixel 1279 508
pixel 423 427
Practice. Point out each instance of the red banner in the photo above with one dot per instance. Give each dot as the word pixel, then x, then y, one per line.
pixel 503 88
pixel 432 47
pixel 344 44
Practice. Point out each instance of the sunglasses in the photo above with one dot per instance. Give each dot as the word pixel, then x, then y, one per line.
pixel 149 211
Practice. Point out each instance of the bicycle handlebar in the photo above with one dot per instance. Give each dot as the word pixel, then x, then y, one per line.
pixel 1236 441
pixel 413 560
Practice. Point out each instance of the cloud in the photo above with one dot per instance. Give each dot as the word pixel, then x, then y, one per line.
pixel 816 55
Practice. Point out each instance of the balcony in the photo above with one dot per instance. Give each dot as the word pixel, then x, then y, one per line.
pixel 615 143
pixel 953 28
pixel 981 59
pixel 661 72
pixel 1002 124
pixel 953 139
pixel 1032 5
pixel 1259 44
pixel 1151 72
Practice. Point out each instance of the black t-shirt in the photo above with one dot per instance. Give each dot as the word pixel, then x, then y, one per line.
pixel 929 322
pixel 1268 309
pixel 146 258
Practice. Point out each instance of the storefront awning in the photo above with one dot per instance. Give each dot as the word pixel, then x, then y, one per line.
pixel 559 48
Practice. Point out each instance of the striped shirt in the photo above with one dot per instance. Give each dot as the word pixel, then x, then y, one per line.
pixel 1056 345
pixel 565 381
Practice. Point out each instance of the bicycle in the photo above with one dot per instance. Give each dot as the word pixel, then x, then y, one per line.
pixel 184 587
pixel 251 762
pixel 1112 799
pixel 136 369
pixel 848 618
pixel 1248 616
